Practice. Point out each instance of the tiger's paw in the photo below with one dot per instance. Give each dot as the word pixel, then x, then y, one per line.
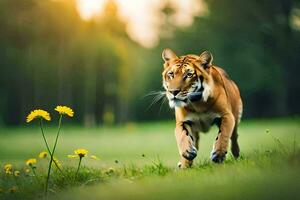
pixel 190 154
pixel 183 164
pixel 217 157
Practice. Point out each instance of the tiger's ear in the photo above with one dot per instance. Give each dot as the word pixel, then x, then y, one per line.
pixel 206 59
pixel 168 55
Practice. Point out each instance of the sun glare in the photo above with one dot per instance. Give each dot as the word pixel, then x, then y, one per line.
pixel 90 8
pixel 143 17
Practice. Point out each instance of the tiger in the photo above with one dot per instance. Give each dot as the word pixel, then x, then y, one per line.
pixel 202 95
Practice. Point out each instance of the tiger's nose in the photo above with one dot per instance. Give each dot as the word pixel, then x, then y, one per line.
pixel 174 92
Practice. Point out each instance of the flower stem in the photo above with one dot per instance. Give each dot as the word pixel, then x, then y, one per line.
pixel 17 182
pixel 41 125
pixel 33 171
pixel 52 154
pixel 80 158
pixel 45 140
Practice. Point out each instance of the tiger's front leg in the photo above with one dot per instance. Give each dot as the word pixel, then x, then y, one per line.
pixel 186 144
pixel 221 144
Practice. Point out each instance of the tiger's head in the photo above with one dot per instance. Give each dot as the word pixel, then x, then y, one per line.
pixel 187 78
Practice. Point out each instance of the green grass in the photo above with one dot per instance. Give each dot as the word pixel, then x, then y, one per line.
pixel 139 161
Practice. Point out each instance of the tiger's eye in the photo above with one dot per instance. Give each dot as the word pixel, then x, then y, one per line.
pixel 189 74
pixel 170 74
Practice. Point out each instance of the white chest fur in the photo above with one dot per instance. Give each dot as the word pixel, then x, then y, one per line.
pixel 202 121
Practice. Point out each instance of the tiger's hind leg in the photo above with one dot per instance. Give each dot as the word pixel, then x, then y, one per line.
pixel 235 149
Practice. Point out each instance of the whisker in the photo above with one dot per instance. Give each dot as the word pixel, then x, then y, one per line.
pixel 163 101
pixel 152 93
pixel 158 96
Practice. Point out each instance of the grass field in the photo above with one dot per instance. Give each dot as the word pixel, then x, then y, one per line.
pixel 138 161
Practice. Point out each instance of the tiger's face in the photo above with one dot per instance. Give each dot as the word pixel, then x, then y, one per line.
pixel 186 78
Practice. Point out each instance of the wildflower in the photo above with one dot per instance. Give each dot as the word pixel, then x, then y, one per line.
pixel 31 162
pixel 8 168
pixel 81 152
pixel 72 156
pixel 38 114
pixel 27 170
pixel 64 110
pixel 13 189
pixel 95 157
pixel 43 154
pixel 17 173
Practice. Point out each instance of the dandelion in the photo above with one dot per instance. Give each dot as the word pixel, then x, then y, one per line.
pixel 13 189
pixel 39 113
pixel 94 157
pixel 64 110
pixel 17 173
pixel 8 168
pixel 43 154
pixel 81 152
pixel 31 162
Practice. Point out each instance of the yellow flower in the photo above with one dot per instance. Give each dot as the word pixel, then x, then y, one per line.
pixel 64 110
pixel 31 162
pixel 81 152
pixel 17 173
pixel 72 156
pixel 8 167
pixel 13 189
pixel 38 114
pixel 27 170
pixel 95 157
pixel 43 154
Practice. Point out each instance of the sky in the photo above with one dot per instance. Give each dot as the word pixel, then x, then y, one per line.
pixel 143 17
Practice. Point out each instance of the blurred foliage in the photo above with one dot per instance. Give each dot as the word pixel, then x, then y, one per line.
pixel 50 56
